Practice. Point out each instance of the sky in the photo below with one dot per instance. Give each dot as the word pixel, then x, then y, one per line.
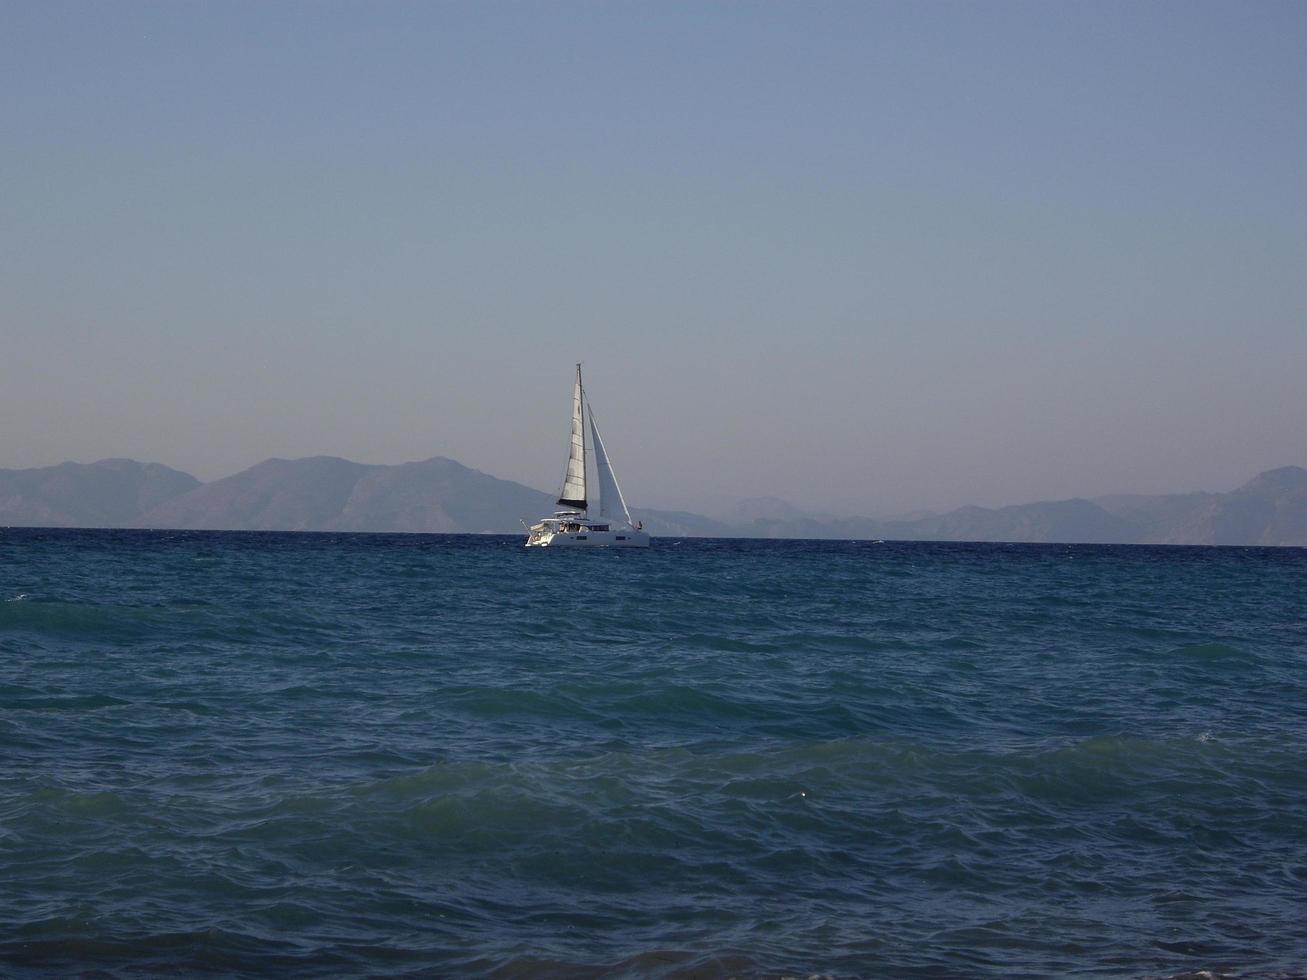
pixel 867 257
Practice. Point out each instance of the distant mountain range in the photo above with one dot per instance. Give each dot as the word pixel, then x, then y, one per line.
pixel 323 493
pixel 1271 509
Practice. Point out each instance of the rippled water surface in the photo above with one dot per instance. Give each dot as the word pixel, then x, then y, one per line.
pixel 334 755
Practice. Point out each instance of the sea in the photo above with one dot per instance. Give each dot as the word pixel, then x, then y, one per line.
pixel 357 755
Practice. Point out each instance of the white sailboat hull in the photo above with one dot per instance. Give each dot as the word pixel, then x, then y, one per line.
pixel 627 538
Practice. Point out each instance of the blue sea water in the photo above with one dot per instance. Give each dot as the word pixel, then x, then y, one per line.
pixel 355 755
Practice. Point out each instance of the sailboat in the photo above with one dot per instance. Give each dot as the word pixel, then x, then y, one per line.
pixel 571 527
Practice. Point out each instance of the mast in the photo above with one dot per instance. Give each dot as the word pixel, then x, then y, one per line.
pixel 573 492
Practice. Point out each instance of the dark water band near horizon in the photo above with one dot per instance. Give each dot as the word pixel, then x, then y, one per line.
pixel 323 755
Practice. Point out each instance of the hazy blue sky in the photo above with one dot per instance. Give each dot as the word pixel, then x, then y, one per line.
pixel 868 257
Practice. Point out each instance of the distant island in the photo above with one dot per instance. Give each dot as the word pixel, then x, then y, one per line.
pixel 324 493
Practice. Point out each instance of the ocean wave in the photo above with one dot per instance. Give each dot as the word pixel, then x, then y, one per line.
pixel 341 756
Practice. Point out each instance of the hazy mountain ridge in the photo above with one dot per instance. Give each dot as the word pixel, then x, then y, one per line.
pixel 108 493
pixel 325 493
pixel 1271 509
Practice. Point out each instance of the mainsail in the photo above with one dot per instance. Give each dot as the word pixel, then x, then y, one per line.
pixel 611 504
pixel 573 492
